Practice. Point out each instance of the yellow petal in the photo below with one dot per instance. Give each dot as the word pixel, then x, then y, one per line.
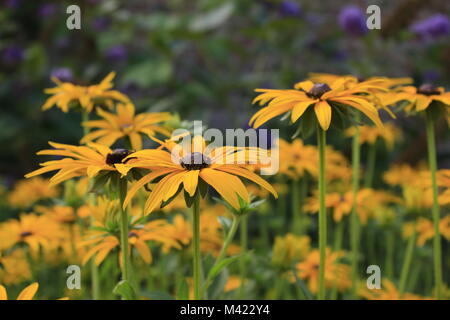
pixel 323 114
pixel 29 292
pixel 3 294
pixel 190 181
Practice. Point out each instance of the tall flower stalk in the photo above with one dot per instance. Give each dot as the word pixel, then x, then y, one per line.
pixel 197 258
pixel 437 253
pixel 321 141
pixel 354 224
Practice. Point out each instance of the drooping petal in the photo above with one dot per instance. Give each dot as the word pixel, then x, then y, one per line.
pixel 323 114
pixel 29 292
pixel 190 181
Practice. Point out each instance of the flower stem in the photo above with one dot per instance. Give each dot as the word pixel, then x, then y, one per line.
pixel 435 211
pixel 354 224
pixel 390 248
pixel 321 141
pixel 196 246
pixel 371 158
pixel 407 262
pixel 223 250
pixel 338 237
pixel 243 263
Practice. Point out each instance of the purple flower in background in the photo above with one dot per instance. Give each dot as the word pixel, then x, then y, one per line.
pixel 290 8
pixel 63 74
pixel 12 54
pixel 353 20
pixel 116 53
pixel 433 27
pixel 47 10
pixel 101 24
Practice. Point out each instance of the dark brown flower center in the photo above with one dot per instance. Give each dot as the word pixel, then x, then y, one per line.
pixel 195 161
pixel 428 89
pixel 25 234
pixel 132 234
pixel 117 156
pixel 318 90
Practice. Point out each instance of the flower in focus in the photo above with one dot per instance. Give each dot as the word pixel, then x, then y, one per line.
pixel 353 20
pixel 433 27
pixel 336 273
pixel 28 191
pixel 80 161
pixel 125 124
pixel 66 93
pixel 190 165
pixel 323 97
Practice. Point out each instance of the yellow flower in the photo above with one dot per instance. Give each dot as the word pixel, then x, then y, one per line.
pixel 323 97
pixel 59 213
pixel 425 229
pixel 296 159
pixel 368 134
pixel 125 124
pixel 26 294
pixel 80 161
pixel 336 273
pixel 103 242
pixel 191 167
pixel 64 93
pixel 419 99
pixel 233 282
pixel 14 267
pixel 35 231
pixel 289 249
pixel 26 192
pixel 387 292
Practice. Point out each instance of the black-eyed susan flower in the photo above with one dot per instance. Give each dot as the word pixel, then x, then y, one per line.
pixel 336 272
pixel 26 294
pixel 14 267
pixel 425 229
pixel 125 123
pixel 321 97
pixel 28 191
pixel 421 98
pixel 187 169
pixel 289 249
pixel 80 161
pixel 33 230
pixel 87 97
pixel 367 134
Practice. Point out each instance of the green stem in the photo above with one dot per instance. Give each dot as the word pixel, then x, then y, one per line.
pixel 407 262
pixel 295 201
pixel 243 263
pixel 354 225
pixel 196 246
pixel 338 238
pixel 223 250
pixel 390 249
pixel 371 158
pixel 322 213
pixel 437 254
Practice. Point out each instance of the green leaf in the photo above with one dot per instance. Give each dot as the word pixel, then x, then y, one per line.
pixel 99 182
pixel 222 264
pixel 148 73
pixel 183 290
pixel 125 290
pixel 188 199
pixel 225 223
pixel 203 188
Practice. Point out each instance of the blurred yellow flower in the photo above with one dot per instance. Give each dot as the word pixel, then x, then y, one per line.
pixel 125 124
pixel 388 291
pixel 336 273
pixel 370 135
pixel 289 249
pixel 14 267
pixel 28 191
pixel 425 229
pixel 66 93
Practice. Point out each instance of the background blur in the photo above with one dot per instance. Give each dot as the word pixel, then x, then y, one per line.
pixel 203 59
